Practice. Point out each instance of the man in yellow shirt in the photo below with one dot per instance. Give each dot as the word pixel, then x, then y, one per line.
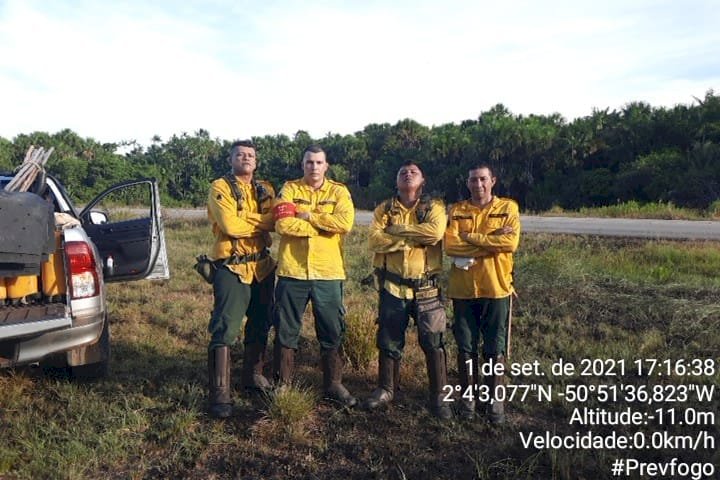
pixel 481 237
pixel 312 216
pixel 240 211
pixel 405 237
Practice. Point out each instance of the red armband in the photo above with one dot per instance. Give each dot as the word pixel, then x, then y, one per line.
pixel 284 210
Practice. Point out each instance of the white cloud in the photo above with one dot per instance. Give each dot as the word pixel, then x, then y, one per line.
pixel 117 71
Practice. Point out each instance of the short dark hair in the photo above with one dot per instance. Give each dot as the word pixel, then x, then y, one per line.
pixel 314 148
pixel 478 166
pixel 243 143
pixel 408 163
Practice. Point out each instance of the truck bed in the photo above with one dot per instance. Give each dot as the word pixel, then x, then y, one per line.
pixel 17 322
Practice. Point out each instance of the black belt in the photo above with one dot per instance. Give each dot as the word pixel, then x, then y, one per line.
pixel 399 280
pixel 241 259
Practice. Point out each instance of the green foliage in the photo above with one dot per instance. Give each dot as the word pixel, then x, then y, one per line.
pixel 6 154
pixel 633 209
pixel 596 186
pixel 637 153
pixel 338 173
pixel 714 210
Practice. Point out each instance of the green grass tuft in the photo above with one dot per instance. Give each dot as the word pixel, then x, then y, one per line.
pixel 289 411
pixel 635 209
pixel 359 347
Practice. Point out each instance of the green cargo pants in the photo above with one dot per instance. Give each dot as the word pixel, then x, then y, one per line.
pixel 393 322
pixel 234 301
pixel 486 316
pixel 291 299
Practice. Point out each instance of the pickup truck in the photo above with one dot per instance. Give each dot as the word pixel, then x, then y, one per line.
pixel 63 320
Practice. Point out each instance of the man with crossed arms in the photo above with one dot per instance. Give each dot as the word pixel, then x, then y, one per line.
pixel 240 211
pixel 481 237
pixel 405 237
pixel 312 216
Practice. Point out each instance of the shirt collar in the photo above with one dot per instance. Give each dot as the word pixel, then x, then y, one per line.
pixel 325 185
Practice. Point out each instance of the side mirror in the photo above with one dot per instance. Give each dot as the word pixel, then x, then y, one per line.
pixel 98 218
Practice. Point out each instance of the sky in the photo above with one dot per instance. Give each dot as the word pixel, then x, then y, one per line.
pixel 127 71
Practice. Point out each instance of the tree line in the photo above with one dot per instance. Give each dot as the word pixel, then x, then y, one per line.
pixel 639 152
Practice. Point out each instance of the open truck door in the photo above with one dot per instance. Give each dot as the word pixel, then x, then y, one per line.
pixel 125 224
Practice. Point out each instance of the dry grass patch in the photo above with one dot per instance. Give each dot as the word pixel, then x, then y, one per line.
pixel 288 415
pixel 359 347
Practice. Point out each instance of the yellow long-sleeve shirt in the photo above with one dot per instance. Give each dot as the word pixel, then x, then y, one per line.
pixel 313 249
pixel 407 247
pixel 247 228
pixel 491 274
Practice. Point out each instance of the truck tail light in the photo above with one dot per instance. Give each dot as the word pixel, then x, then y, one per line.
pixel 83 270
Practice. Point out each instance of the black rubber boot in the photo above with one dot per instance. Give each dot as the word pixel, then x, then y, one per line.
pixel 332 366
pixel 467 373
pixel 385 392
pixel 252 377
pixel 283 364
pixel 437 376
pixel 494 408
pixel 219 382
pixel 396 377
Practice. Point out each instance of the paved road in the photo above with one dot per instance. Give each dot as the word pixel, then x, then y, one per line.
pixel 614 227
pixel 624 227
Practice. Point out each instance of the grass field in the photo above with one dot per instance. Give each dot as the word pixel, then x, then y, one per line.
pixel 579 298
pixel 633 209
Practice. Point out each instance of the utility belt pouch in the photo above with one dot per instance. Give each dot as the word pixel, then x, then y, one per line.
pixel 430 313
pixel 206 268
pixel 374 280
pixel 242 259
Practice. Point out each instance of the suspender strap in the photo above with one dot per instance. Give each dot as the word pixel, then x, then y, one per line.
pixel 261 193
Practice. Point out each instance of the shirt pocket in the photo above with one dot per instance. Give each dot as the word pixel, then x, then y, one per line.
pixel 494 221
pixel 302 205
pixel 464 222
pixel 326 206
